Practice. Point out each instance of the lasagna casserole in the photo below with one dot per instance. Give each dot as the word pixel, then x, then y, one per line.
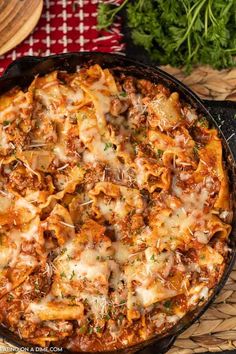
pixel 114 210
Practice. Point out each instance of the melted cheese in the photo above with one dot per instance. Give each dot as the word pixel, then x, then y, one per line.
pixel 122 252
pixel 149 295
pixel 26 208
pixel 179 226
pixel 99 304
pixel 3 140
pixel 99 149
pixel 8 113
pixel 27 260
pixel 32 231
pixel 5 256
pixel 5 203
pixel 74 98
pixel 60 152
pixel 29 233
pixel 117 230
pixel 91 269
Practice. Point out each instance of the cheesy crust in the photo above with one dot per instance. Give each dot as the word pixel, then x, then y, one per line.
pixel 114 210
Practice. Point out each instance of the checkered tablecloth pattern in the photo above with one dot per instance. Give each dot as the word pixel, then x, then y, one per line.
pixel 67 26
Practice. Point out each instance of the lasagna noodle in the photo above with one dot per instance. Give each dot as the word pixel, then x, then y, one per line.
pixel 165 111
pixel 60 222
pixel 15 116
pixel 216 227
pixel 100 91
pixel 16 211
pixel 73 178
pixel 171 229
pixel 208 256
pixel 17 264
pixel 79 270
pixel 38 160
pixel 119 200
pixel 51 311
pixel 151 176
pixel 99 145
pixel 17 104
pixel 173 153
pixel 211 157
pixel 154 281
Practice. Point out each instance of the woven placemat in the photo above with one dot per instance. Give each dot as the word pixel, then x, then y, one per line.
pixel 216 330
pixel 207 82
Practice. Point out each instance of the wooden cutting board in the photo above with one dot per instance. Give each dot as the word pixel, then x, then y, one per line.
pixel 17 19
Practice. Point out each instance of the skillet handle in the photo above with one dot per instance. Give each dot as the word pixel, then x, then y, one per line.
pixel 26 68
pixel 17 67
pixel 222 109
pixel 224 113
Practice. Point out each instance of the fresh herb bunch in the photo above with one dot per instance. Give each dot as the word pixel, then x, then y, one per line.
pixel 180 33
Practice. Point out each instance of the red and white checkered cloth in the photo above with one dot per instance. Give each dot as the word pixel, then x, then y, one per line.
pixel 67 26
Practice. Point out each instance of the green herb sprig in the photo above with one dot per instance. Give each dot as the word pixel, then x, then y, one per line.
pixel 180 33
pixel 107 13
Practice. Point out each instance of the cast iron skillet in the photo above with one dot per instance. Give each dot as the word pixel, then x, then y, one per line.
pixel 21 73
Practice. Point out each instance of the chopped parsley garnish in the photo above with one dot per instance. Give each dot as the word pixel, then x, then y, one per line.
pixel 90 330
pixel 6 123
pixel 152 258
pixel 72 297
pixel 123 94
pixel 10 297
pixel 98 329
pixel 132 212
pixel 159 153
pixel 167 304
pixel 72 275
pixel 139 230
pixel 120 318
pixel 82 329
pixel 81 116
pixel 63 275
pixel 203 122
pixel 108 146
pixel 139 131
pixel 36 286
pixel 195 150
pixel 122 302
